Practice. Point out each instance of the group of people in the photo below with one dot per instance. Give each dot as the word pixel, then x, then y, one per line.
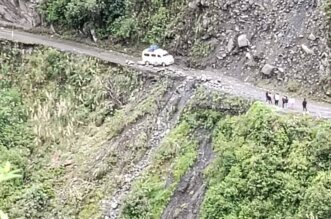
pixel 285 100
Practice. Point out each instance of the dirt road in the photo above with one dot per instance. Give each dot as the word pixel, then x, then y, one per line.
pixel 211 78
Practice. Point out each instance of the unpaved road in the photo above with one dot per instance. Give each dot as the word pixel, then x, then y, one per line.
pixel 211 78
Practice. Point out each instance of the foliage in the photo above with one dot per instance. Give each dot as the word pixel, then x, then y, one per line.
pixel 62 118
pixel 7 174
pixel 269 166
pixel 73 109
pixel 201 49
pixel 151 193
pixel 50 103
pixel 76 13
pixel 124 28
pixel 125 20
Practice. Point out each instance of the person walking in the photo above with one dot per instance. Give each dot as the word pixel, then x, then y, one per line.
pixel 268 97
pixel 304 105
pixel 276 97
pixel 284 101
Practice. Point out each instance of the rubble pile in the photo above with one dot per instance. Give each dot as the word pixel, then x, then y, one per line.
pixel 279 40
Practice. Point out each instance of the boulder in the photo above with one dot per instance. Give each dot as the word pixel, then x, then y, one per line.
pixel 230 45
pixel 307 49
pixel 312 37
pixel 243 41
pixel 267 69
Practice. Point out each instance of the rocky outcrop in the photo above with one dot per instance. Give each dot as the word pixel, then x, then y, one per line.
pixel 252 35
pixel 21 13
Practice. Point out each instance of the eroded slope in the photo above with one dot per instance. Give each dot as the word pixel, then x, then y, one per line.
pixel 22 13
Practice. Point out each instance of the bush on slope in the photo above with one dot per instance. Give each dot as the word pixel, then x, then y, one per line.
pixel 269 166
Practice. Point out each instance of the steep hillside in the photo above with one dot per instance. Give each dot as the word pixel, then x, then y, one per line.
pixel 94 140
pixel 285 42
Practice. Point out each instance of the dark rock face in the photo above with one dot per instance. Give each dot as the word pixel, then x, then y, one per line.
pixel 252 35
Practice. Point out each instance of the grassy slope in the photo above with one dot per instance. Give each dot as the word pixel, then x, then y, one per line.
pixel 63 109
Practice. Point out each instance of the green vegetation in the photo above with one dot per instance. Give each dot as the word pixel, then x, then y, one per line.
pixel 201 49
pixel 152 192
pixel 269 166
pixel 175 155
pixel 6 174
pixel 145 21
pixel 73 125
pixel 59 113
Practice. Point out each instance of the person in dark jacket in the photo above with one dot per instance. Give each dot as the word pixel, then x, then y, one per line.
pixel 284 101
pixel 304 105
pixel 268 97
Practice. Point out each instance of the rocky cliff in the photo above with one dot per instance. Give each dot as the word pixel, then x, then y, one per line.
pixel 283 41
pixel 22 13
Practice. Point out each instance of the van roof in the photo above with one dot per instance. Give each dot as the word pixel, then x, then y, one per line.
pixel 157 51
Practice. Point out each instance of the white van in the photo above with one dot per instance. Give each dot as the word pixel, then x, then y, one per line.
pixel 157 57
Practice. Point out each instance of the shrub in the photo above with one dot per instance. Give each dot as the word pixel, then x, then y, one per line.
pixel 200 49
pixel 268 166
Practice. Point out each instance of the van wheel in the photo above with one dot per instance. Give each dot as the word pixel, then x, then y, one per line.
pixel 164 64
pixel 147 63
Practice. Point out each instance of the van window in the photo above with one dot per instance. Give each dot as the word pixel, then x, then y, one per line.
pixel 159 56
pixel 153 55
pixel 146 54
pixel 166 54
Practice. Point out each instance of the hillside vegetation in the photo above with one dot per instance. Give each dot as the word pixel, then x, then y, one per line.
pixel 78 130
pixel 124 21
pixel 58 112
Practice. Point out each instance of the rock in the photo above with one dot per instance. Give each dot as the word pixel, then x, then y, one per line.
pixel 312 37
pixel 325 62
pixel 230 45
pixel 251 63
pixel 307 49
pixel 205 22
pixel 243 41
pixel 249 56
pixel 281 70
pixel 192 5
pixel 94 35
pixel 114 205
pixel 129 62
pixel 267 69
pixel 140 63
